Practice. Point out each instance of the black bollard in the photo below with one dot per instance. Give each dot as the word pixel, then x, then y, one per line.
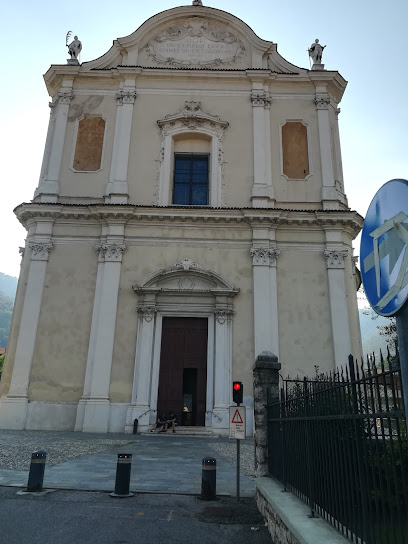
pixel 37 468
pixel 135 423
pixel 122 482
pixel 209 479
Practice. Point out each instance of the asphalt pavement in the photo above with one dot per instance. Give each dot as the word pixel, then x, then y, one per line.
pixel 81 517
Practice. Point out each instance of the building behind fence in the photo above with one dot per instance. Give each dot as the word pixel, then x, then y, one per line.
pixel 339 442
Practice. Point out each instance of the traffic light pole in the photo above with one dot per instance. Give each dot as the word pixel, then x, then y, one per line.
pixel 238 461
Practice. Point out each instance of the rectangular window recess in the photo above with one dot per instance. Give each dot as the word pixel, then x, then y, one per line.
pixel 190 179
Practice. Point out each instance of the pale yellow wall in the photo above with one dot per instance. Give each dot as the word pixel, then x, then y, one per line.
pixel 63 332
pixel 305 335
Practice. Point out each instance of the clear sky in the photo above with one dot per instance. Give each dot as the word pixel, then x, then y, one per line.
pixel 367 42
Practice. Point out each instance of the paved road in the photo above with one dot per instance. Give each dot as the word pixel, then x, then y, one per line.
pixel 80 517
pixel 160 464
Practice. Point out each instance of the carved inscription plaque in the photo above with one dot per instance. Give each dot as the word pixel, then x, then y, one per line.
pixel 89 144
pixel 196 50
pixel 195 43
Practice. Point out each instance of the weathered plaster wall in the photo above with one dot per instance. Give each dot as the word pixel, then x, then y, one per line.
pixel 63 332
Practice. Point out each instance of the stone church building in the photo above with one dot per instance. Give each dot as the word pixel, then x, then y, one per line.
pixel 190 215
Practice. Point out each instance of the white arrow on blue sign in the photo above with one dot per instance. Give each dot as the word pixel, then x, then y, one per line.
pixel 384 248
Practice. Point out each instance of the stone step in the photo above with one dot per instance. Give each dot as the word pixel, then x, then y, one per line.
pixel 184 431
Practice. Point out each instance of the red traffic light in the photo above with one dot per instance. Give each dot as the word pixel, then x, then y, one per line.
pixel 237 392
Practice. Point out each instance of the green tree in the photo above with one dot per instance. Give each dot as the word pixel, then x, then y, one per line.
pixel 1 364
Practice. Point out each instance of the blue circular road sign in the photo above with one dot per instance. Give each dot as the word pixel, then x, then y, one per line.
pixel 384 248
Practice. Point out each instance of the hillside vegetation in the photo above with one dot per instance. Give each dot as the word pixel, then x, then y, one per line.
pixel 6 310
pixel 8 287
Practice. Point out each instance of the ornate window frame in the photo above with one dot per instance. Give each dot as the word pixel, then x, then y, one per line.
pixel 309 149
pixel 192 118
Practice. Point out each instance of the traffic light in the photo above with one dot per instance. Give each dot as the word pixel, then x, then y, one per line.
pixel 237 392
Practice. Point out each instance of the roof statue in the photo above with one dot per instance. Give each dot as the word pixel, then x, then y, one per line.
pixel 74 49
pixel 316 53
pixel 197 3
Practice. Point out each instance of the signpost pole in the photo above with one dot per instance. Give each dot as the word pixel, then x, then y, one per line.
pixel 238 462
pixel 402 331
pixel 238 467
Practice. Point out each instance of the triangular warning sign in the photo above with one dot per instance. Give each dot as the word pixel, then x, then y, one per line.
pixel 237 417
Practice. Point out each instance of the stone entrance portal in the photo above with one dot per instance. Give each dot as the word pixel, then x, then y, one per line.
pixel 183 369
pixel 183 347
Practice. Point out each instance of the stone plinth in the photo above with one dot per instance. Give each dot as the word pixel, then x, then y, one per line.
pixel 266 382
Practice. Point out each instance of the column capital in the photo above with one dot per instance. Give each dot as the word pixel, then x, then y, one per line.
pixel 264 256
pixel 21 251
pixel 65 97
pixel 261 99
pixel 111 252
pixel 322 102
pixel 126 97
pixel 40 251
pixel 223 314
pixel 147 312
pixel 335 258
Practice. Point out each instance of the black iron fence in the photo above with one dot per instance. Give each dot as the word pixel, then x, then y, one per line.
pixel 339 442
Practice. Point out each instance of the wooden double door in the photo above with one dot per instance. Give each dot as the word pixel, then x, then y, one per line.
pixel 183 369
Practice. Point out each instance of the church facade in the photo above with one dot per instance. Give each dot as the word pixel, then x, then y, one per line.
pixel 190 216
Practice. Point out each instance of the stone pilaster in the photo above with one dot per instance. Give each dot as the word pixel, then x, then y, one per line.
pixel 117 190
pixel 222 365
pixel 13 410
pixel 329 192
pixel 140 406
pixel 95 402
pixel 262 191
pixel 48 187
pixel 266 383
pixel 338 304
pixel 266 322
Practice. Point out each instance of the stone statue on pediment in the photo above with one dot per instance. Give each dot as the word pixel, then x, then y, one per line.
pixel 316 52
pixel 197 3
pixel 74 49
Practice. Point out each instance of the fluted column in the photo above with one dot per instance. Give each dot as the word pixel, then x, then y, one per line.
pixel 266 320
pixel 13 409
pixel 117 190
pixel 262 190
pixel 48 187
pixel 338 304
pixel 96 412
pixel 222 365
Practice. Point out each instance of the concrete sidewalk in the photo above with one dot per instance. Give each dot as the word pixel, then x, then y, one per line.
pixel 160 464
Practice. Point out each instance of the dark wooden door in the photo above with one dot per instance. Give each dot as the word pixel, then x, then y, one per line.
pixel 183 369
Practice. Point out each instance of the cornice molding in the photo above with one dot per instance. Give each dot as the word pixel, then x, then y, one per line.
pixel 349 221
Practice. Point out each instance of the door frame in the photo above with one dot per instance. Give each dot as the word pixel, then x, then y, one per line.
pixel 156 362
pixel 183 290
